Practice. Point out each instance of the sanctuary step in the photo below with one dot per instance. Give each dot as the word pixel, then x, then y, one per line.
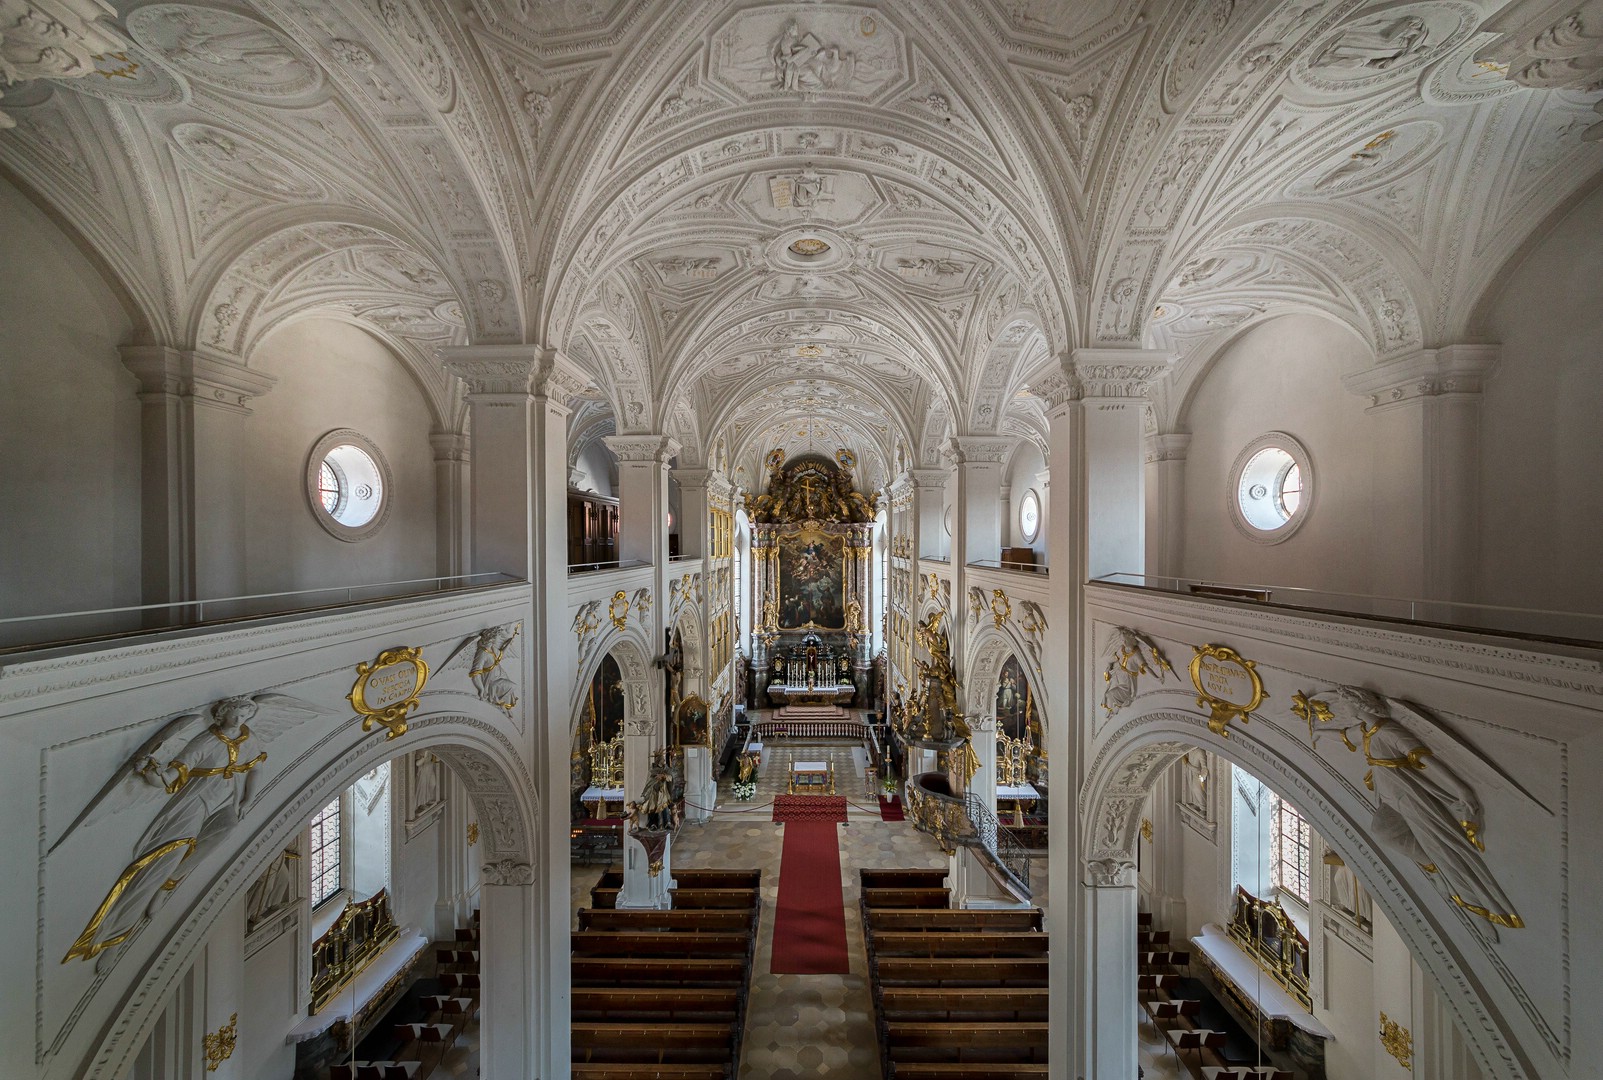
pixel 810 712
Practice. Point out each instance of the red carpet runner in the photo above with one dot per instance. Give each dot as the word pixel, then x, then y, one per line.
pixel 828 808
pixel 810 918
pixel 891 809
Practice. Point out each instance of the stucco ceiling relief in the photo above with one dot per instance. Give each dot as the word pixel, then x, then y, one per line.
pixel 226 50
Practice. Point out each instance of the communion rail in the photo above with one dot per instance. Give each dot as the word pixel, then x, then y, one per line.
pixel 854 730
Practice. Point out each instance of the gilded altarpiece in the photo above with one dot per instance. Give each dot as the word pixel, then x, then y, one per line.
pixel 812 556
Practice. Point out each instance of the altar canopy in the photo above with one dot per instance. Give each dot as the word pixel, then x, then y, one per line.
pixel 812 547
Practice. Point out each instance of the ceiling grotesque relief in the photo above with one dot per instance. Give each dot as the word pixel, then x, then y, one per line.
pixel 827 224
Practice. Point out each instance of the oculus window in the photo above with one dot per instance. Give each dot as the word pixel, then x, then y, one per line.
pixel 1030 516
pixel 1271 489
pixel 348 485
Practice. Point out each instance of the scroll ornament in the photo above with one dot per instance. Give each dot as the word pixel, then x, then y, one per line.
pixel 1424 808
pixel 386 691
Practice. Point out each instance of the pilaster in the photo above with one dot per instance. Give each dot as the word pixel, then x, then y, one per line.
pixel 693 504
pixel 192 445
pixel 1426 408
pixel 452 531
pixel 1165 475
pixel 1109 1023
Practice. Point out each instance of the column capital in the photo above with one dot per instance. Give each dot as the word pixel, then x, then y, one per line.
pixel 1101 373
pixel 927 479
pixel 976 450
pixel 534 370
pixel 205 380
pixel 1109 873
pixel 693 479
pixel 1451 369
pixel 507 872
pixel 1171 447
pixel 449 445
pixel 631 448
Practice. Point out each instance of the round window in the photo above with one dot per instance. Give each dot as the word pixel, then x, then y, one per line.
pixel 1030 516
pixel 348 484
pixel 1271 489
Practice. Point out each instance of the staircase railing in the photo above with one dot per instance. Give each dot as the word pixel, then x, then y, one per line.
pixel 999 840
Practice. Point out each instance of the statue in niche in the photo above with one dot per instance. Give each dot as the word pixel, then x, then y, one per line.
pixel 1346 894
pixel 202 763
pixel 1424 808
pixel 275 890
pixel 1194 780
pixel 426 786
pixel 1376 45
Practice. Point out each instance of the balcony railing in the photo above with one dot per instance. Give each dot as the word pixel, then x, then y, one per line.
pixel 73 627
pixel 1564 627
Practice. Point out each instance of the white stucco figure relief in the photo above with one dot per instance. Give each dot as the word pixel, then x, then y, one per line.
pixel 803 62
pixel 1131 655
pixel 201 769
pixel 426 777
pixel 1424 808
pixel 1375 45
pixel 488 651
pixel 276 889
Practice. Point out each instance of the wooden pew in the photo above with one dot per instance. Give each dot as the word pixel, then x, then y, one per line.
pixel 695 878
pixel 921 897
pixel 693 943
pixel 608 1070
pixel 991 1042
pixel 683 919
pixel 949 1070
pixel 939 943
pixel 962 971
pixel 688 1044
pixel 651 1005
pixel 658 971
pixel 901 879
pixel 697 897
pixel 1006 921
pixel 932 1003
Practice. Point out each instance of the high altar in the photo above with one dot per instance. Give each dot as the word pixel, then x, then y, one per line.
pixel 812 555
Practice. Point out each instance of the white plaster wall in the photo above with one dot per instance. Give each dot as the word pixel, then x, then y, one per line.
pixel 1024 474
pixel 1542 415
pixel 69 426
pixel 332 375
pixel 595 465
pixel 415 874
pixel 1285 375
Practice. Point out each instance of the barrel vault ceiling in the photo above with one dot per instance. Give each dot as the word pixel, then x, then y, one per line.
pixel 803 225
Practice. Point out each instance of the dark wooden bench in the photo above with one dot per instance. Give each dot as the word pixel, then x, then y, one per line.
pixel 901 879
pixel 656 1005
pixel 915 897
pixel 954 919
pixel 612 1070
pixel 697 897
pixel 652 1043
pixel 658 971
pixel 686 919
pixel 695 878
pixel 888 943
pixel 686 943
pixel 991 1042
pixel 962 971
pixel 949 1070
pixel 933 1003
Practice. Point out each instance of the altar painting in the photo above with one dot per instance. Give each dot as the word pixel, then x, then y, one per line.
pixel 811 581
pixel 1016 714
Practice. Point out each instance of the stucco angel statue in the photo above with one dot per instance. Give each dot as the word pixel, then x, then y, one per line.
pixel 200 768
pixel 1425 809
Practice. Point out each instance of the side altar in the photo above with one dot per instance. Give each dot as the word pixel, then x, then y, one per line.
pixel 812 572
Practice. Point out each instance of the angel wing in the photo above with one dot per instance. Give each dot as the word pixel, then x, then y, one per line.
pixel 1453 751
pixel 127 787
pixel 461 655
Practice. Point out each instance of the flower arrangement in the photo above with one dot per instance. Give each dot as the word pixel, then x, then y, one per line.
pixel 745 789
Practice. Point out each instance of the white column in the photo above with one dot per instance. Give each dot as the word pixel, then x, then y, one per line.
pixel 1427 444
pixel 1166 503
pixel 977 506
pixel 518 397
pixel 1108 899
pixel 452 534
pixel 1094 454
pixel 643 496
pixel 929 500
pixel 693 512
pixel 509 963
pixel 193 532
pixel 984 783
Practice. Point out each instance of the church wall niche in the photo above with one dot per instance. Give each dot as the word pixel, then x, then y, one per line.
pixel 1540 455
pixel 333 375
pixel 1285 375
pixel 69 428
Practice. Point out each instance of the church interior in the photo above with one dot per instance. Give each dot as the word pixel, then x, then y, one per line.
pixel 745 540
